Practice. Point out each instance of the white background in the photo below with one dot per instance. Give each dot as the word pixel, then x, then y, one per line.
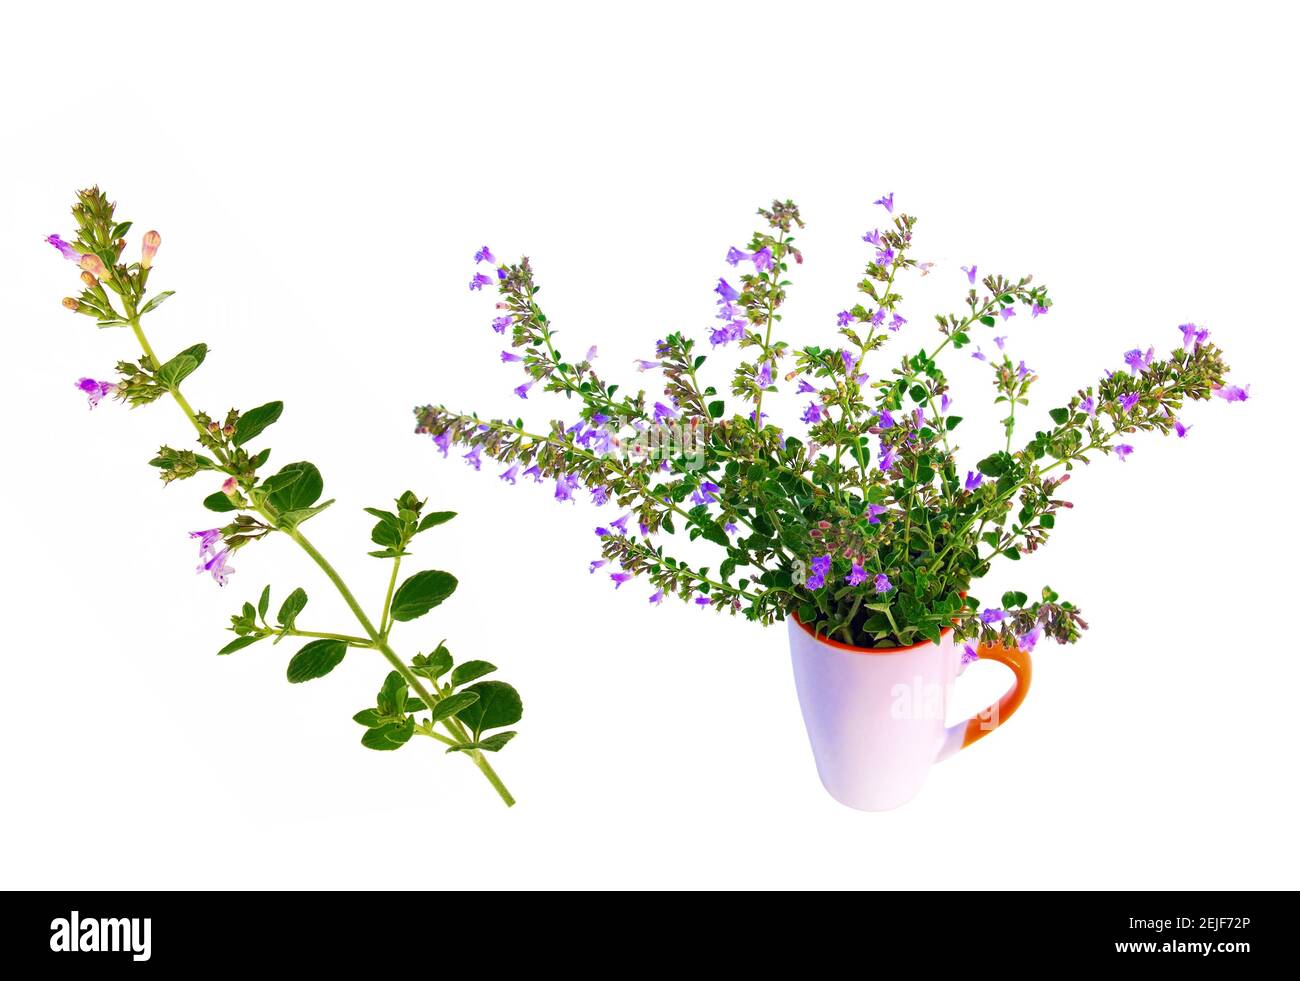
pixel 322 175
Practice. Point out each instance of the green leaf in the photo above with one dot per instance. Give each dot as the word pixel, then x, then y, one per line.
pixel 386 534
pixel 252 422
pixel 218 502
pixel 1059 416
pixel 294 487
pixel 987 322
pixel 435 665
pixel 292 519
pixel 316 660
pixel 470 670
pixel 995 465
pixel 291 607
pixel 370 718
pixel 433 519
pixel 454 704
pixel 717 408
pixel 392 735
pixel 421 593
pixel 182 366
pixel 156 302
pixel 1047 521
pixel 264 602
pixel 952 423
pixel 498 705
pixel 238 644
pixel 492 744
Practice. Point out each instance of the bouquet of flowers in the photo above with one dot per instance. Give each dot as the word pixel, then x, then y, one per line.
pixel 428 696
pixel 864 525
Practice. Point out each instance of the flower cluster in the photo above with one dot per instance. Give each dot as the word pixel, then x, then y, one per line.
pixel 865 526
pixel 255 505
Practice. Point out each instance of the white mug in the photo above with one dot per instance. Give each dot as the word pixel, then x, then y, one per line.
pixel 875 716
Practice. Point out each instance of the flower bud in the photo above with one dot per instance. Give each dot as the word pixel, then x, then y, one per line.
pixel 71 304
pixel 94 265
pixel 230 487
pixel 149 248
pixel 88 279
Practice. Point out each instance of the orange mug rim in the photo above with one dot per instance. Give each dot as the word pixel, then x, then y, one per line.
pixel 839 645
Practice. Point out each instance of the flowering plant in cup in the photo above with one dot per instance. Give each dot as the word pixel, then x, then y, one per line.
pixel 867 523
pixel 427 696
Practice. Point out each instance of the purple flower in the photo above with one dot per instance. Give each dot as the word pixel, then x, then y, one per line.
pixel 730 528
pixel 591 354
pixel 535 472
pixel 888 457
pixel 1137 361
pixel 886 420
pixel 1089 405
pixel 207 541
pixel 1027 641
pixel 817 576
pixel 1022 370
pixel 724 290
pixel 979 355
pixel 882 583
pixel 874 511
pixel 501 323
pixel 734 255
pixel 1123 450
pixel 1038 310
pixel 1001 342
pixel 884 257
pixel 762 259
pixel 643 365
pixel 657 598
pixel 727 333
pixel 565 485
pixel 64 248
pixel 1006 313
pixel 1180 429
pixel 993 615
pixel 708 490
pixel 1193 335
pixel 918 417
pixel 764 376
pixel 1231 393
pixel 479 281
pixel 878 317
pixel 663 412
pixel 94 390
pixel 872 237
pixel 1128 400
pixel 843 318
pixel 857 575
pixel 849 362
pixel 600 496
pixel 443 441
pixel 484 255
pixel 620 524
pixel 507 357
pixel 217 566
pixel 472 457
pixel 897 322
pixel 971 272
pixel 944 403
pixel 886 202
pixel 509 475
pixel 804 387
pixel 812 414
pixel 522 390
pixel 969 655
pixel 620 578
pixel 598 563
pixel 973 479
pixel 702 601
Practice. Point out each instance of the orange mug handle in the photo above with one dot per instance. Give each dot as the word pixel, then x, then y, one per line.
pixel 978 726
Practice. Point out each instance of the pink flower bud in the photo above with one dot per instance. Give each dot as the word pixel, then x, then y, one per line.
pixel 94 265
pixel 150 247
pixel 230 487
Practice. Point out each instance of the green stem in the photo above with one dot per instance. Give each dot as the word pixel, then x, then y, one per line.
pixel 385 625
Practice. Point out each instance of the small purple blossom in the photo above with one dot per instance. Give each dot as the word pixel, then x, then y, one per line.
pixel 1006 313
pixel 1180 429
pixel 643 365
pixel 600 496
pixel 888 457
pixel 817 574
pixel 969 655
pixel 508 358
pixel 1137 361
pixel 1021 371
pixel 1128 400
pixel 66 250
pixel 535 472
pixel 1123 450
pixel 702 601
pixel 973 479
pixel 764 377
pixel 884 257
pixel 979 355
pixel 804 387
pixel 1231 393
pixel 657 598
pixel 944 403
pixel 509 475
pixel 730 528
pixel 993 615
pixel 843 318
pixel 1038 310
pixel 1028 640
pixel 897 322
pixel 522 390
pixel 484 255
pixel 874 511
pixel 472 457
pixel 886 420
pixel 872 237
pixel 1089 406
pixel 207 541
pixel 1001 342
pixel 94 390
pixel 1193 335
pixel 443 441
pixel 479 281
pixel 565 485
pixel 886 202
pixel 971 272
pixel 762 259
pixel 663 412
pixel 501 323
pixel 812 414
pixel 597 564
pixel 849 362
pixel 620 578
pixel 878 317
pixel 724 290
pixel 217 567
pixel 734 255
pixel 882 583
pixel 857 575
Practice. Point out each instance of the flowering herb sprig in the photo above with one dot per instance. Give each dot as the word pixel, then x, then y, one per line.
pixel 867 528
pixel 429 696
